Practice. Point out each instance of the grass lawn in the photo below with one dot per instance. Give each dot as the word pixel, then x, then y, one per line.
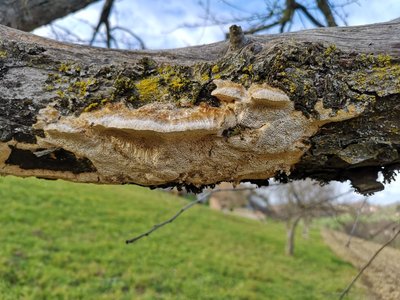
pixel 61 240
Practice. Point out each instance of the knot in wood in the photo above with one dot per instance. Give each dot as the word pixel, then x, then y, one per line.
pixel 237 39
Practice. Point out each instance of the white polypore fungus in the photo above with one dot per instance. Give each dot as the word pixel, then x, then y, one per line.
pixel 253 134
pixel 228 91
pixel 155 117
pixel 264 94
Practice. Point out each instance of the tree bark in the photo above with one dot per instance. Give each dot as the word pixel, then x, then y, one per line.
pixel 319 103
pixel 291 234
pixel 28 15
pixel 306 227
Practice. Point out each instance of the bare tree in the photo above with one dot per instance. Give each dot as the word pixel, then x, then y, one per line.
pixel 300 201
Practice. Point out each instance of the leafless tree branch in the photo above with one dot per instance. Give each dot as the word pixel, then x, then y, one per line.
pixel 64 34
pixel 325 7
pixel 380 230
pixel 182 210
pixel 305 11
pixel 347 289
pixel 104 19
pixel 131 33
pixel 359 211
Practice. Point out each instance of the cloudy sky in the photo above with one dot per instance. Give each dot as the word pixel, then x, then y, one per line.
pixel 171 24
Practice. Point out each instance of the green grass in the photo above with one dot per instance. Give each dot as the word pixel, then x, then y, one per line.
pixel 61 240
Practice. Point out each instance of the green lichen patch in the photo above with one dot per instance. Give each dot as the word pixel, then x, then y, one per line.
pixel 77 89
pixel 30 54
pixel 377 74
pixel 91 106
pixel 331 50
pixel 307 72
pixel 176 78
pixel 312 72
pixel 151 83
pixel 149 89
pixel 74 89
pixel 123 84
pixel 64 68
pixel 234 66
pixel 71 69
pixel 82 87
pixel 202 73
pixel 215 69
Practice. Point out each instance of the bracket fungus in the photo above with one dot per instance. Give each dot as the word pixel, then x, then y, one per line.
pixel 253 134
pixel 266 95
pixel 228 91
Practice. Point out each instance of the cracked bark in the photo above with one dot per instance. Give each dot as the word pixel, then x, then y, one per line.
pixel 320 103
pixel 28 15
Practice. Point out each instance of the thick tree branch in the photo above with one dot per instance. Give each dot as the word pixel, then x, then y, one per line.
pixel 104 19
pixel 319 103
pixel 28 15
pixel 326 10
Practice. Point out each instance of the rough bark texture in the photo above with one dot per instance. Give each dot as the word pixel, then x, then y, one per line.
pixel 291 227
pixel 320 103
pixel 28 15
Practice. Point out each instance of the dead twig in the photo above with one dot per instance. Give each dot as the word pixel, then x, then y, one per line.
pixel 347 289
pixel 359 211
pixel 182 210
pixel 131 33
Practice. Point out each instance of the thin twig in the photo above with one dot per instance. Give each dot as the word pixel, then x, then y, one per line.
pixel 359 211
pixel 380 230
pixel 170 220
pixel 134 35
pixel 309 15
pixel 347 289
pixel 182 210
pixel 104 19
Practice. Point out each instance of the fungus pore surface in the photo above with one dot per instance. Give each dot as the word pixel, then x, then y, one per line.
pixel 253 134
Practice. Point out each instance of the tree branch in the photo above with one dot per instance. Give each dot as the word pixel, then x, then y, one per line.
pixel 182 210
pixel 359 210
pixel 142 45
pixel 313 103
pixel 104 19
pixel 170 220
pixel 309 15
pixel 347 289
pixel 326 10
pixel 28 15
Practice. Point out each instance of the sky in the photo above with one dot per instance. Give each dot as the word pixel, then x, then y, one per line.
pixel 171 24
pixel 163 23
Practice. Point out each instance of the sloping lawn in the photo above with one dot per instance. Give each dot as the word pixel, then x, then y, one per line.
pixel 61 240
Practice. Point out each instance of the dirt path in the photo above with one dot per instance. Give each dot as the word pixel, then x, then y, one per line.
pixel 382 277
